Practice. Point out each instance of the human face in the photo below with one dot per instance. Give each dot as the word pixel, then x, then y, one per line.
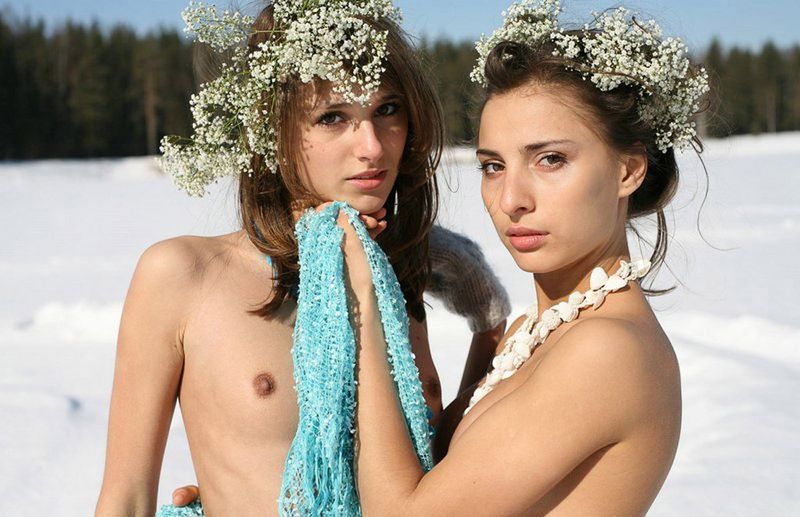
pixel 352 152
pixel 552 186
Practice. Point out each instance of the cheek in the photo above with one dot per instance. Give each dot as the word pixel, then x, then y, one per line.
pixel 490 193
pixel 394 136
pixel 589 210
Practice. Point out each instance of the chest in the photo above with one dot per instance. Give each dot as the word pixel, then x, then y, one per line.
pixel 239 367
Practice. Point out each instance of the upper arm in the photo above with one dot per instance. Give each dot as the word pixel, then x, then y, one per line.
pixel 582 398
pixel 147 373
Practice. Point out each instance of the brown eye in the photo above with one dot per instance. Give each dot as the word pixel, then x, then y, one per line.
pixel 388 109
pixel 490 168
pixel 552 160
pixel 329 119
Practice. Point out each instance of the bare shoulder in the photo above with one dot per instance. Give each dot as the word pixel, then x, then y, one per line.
pixel 633 367
pixel 180 260
pixel 170 272
pixel 163 292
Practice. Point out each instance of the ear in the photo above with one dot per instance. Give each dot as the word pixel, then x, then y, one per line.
pixel 633 170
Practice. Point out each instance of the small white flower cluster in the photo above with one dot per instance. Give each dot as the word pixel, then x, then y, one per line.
pixel 616 49
pixel 234 115
pixel 221 31
pixel 522 22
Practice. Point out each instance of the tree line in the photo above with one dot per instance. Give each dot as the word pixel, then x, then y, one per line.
pixel 81 91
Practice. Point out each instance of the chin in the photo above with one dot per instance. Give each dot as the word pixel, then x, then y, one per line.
pixel 537 261
pixel 367 204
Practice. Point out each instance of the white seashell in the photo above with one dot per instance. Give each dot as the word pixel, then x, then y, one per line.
pixel 494 378
pixel 522 350
pixel 496 361
pixel 531 311
pixel 624 269
pixel 599 300
pixel 567 312
pixel 591 297
pixel 508 373
pixel 642 267
pixel 598 278
pixel 614 283
pixel 518 361
pixel 576 298
pixel 508 362
pixel 551 319
pixel 543 332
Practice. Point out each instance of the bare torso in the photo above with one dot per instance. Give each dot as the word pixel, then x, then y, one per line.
pixel 622 478
pixel 236 395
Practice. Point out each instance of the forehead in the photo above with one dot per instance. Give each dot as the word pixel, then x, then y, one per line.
pixel 531 114
pixel 323 95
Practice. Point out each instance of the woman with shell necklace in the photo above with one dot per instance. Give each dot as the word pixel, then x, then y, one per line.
pixel 581 413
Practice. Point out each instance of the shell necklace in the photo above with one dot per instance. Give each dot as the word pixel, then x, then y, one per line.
pixel 519 347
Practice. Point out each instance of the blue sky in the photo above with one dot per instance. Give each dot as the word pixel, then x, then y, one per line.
pixel 735 22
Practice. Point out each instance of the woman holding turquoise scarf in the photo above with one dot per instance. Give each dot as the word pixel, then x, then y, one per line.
pixel 304 113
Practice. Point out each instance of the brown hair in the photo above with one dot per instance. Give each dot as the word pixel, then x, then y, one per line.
pixel 267 197
pixel 512 65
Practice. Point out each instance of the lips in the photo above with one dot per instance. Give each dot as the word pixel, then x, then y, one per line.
pixel 369 179
pixel 525 239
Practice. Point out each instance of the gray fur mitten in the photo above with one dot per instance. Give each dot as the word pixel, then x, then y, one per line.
pixel 464 282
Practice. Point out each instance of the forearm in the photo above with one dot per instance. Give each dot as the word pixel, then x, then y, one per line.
pixel 481 351
pixel 387 466
pixel 134 505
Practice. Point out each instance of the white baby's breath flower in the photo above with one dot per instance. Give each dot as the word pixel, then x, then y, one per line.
pixel 233 115
pixel 616 49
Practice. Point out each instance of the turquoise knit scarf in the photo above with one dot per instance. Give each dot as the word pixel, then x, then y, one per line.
pixel 318 477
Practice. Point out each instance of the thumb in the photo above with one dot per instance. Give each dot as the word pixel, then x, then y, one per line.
pixel 185 495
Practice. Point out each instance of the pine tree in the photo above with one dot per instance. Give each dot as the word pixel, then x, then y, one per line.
pixel 738 91
pixel 715 117
pixel 8 93
pixel 769 88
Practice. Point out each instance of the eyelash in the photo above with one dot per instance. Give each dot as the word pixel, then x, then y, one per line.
pixel 484 166
pixel 341 116
pixel 554 165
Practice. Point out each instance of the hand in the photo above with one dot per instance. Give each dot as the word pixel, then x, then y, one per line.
pixel 185 495
pixel 374 222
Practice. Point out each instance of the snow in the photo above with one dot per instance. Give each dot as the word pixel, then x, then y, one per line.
pixel 73 230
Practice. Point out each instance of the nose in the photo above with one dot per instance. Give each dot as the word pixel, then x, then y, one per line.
pixel 367 146
pixel 517 193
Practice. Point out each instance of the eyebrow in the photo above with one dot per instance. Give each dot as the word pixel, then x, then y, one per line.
pixel 538 145
pixel 488 152
pixel 530 148
pixel 381 100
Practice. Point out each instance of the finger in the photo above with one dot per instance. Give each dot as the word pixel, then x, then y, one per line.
pixel 185 495
pixel 369 221
pixel 380 214
pixel 379 227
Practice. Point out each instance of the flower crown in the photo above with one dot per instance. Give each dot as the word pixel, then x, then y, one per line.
pixel 616 49
pixel 234 115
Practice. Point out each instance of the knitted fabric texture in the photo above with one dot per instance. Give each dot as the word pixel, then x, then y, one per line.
pixel 318 477
pixel 195 509
pixel 464 282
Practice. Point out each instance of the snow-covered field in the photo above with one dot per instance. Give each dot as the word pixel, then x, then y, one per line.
pixel 73 230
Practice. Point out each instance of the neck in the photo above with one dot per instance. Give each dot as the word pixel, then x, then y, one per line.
pixel 556 286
